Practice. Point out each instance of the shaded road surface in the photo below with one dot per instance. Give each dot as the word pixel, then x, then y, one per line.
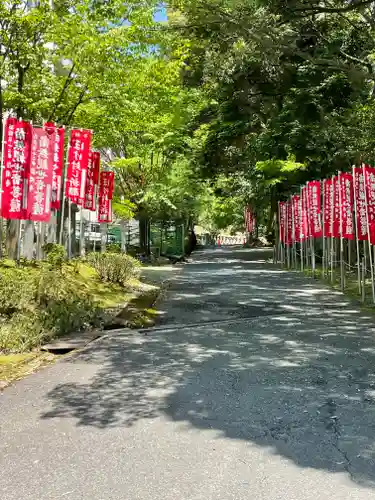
pixel 259 384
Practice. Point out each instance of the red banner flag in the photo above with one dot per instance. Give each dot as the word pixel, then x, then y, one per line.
pixel 92 180
pixel 328 204
pixel 105 196
pixel 40 176
pixel 248 220
pixel 360 201
pixel 78 159
pixel 347 217
pixel 282 221
pixel 370 199
pixel 304 214
pixel 16 165
pixel 314 209
pixel 335 217
pixel 289 223
pixel 58 162
pixel 296 200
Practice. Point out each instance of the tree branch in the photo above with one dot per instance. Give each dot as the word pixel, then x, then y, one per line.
pixel 317 10
pixel 63 90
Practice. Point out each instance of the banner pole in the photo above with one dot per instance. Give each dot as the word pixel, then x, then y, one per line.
pixel 294 254
pixel 279 249
pixel 368 236
pixel 324 233
pixel 332 219
pixel 301 228
pixel 356 230
pixel 18 249
pixel 312 242
pixel 363 281
pixel 3 118
pixel 287 234
pixel 63 194
pixel 307 242
pixel 69 230
pixel 342 268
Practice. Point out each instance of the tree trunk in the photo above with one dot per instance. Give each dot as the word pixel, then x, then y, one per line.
pixel 103 237
pixel 12 238
pixel 123 236
pixel 143 234
pixel 28 240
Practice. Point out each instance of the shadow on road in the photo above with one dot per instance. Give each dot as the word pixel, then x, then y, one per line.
pixel 285 364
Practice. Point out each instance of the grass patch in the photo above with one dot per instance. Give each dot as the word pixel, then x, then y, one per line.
pixel 40 301
pixel 16 366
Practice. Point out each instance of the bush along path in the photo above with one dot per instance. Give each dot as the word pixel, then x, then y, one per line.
pixel 41 302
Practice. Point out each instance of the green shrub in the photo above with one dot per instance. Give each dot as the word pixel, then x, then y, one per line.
pixel 113 248
pixel 55 254
pixel 40 306
pixel 17 289
pixel 113 267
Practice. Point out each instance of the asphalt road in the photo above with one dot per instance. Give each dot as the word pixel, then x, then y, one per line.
pixel 258 384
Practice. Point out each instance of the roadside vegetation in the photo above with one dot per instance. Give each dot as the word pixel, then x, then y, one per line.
pixel 40 301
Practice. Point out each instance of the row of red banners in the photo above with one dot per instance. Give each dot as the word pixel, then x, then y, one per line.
pixel 32 172
pixel 343 208
pixel 250 220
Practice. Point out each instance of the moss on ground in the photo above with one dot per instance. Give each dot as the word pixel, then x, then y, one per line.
pixel 16 366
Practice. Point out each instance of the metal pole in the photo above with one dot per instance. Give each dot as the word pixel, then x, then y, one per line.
pixel 332 219
pixel 3 118
pixel 65 173
pixel 311 238
pixel 342 268
pixel 293 241
pixel 356 230
pixel 82 247
pixel 69 230
pixel 301 235
pixel 324 235
pixel 363 289
pixel 286 235
pixel 19 232
pixel 368 237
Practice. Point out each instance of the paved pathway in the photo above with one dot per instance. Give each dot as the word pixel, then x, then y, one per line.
pixel 259 384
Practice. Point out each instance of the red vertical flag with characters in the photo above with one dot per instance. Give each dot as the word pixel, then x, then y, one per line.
pixel 249 220
pixel 282 221
pixel 314 209
pixel 304 214
pixel 92 180
pixel 106 188
pixel 296 201
pixel 347 206
pixel 78 160
pixel 369 173
pixel 289 223
pixel 335 223
pixel 58 162
pixel 38 207
pixel 328 201
pixel 360 200
pixel 16 165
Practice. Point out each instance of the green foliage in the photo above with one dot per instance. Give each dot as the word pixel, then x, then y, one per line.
pixel 113 248
pixel 55 254
pixel 40 304
pixel 114 267
pixel 16 288
pixel 279 81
